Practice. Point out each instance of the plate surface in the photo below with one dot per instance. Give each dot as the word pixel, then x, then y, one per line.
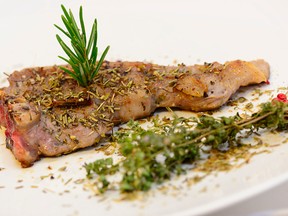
pixel 163 32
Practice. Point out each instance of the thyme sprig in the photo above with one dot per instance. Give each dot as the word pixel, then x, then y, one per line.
pixel 155 154
pixel 84 58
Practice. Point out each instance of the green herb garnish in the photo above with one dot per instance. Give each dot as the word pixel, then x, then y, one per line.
pixel 84 58
pixel 156 154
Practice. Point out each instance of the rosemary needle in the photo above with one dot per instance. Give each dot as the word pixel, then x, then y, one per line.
pixel 83 54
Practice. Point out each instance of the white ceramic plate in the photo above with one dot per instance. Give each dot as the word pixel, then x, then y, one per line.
pixel 163 32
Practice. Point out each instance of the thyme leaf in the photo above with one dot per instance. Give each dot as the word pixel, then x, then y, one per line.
pixel 154 155
pixel 83 54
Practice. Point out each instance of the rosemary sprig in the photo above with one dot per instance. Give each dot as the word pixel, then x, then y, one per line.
pixel 156 154
pixel 84 58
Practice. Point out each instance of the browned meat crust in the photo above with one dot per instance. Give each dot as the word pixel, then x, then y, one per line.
pixel 46 113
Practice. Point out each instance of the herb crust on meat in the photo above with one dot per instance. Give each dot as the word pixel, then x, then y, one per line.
pixel 46 113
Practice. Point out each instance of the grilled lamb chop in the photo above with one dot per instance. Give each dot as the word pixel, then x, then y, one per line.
pixel 46 113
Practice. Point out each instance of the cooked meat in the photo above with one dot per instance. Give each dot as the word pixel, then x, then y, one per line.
pixel 46 113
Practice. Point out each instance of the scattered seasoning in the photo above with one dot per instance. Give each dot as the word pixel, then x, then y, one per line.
pixel 237 101
pixel 249 106
pixel 79 181
pixel 62 169
pixel 195 179
pixel 46 176
pixel 68 181
pixel 46 190
pixel 285 141
pixel 108 148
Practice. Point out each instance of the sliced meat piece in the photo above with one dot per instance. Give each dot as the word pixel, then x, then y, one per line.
pixel 46 113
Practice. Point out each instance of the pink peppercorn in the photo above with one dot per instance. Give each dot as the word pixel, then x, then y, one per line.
pixel 281 97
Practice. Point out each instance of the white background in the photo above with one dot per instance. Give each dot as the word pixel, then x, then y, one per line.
pixel 162 32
